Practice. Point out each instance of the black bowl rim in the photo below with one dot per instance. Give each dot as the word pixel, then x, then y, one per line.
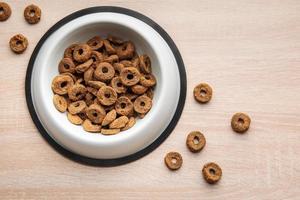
pixel 117 161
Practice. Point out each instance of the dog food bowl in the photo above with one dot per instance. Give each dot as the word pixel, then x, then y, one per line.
pixel 148 133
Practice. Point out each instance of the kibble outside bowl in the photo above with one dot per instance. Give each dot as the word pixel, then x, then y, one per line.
pixel 169 94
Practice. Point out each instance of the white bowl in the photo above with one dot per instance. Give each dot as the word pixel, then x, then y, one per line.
pixel 169 94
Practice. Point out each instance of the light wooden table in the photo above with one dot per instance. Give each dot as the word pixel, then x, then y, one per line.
pixel 248 50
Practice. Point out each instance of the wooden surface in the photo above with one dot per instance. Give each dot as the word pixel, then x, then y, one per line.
pixel 248 50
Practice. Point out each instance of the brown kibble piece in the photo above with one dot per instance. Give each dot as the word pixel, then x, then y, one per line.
pixel 66 65
pixel 110 131
pixel 119 122
pixel 18 43
pixel 148 80
pixel 145 64
pixel 107 95
pixel 139 89
pixel 129 124
pixel 136 62
pixel 112 59
pixel 5 11
pixel 95 43
pixel 150 93
pixel 118 68
pixel 124 106
pixel 240 122
pixel 69 51
pixel 84 66
pixel 173 160
pixel 95 113
pixel 203 93
pixel 118 86
pixel 77 107
pixel 96 84
pixel 126 50
pixel 82 52
pixel 61 84
pixel 110 117
pixel 115 40
pixel 90 127
pixel 195 141
pixel 104 72
pixel 127 63
pixel 60 103
pixel 32 14
pixel 88 75
pixel 74 119
pixel 92 90
pixel 97 58
pixel 77 92
pixel 108 47
pixel 71 75
pixel 142 104
pixel 89 99
pixel 211 172
pixel 130 76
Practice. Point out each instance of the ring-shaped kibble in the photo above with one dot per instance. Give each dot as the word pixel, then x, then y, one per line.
pixel 68 53
pixel 117 84
pixel 104 72
pixel 142 104
pixel 32 14
pixel 77 92
pixel 145 64
pixel 148 80
pixel 97 57
pixel 212 172
pixel 61 84
pixel 173 160
pixel 18 43
pixel 95 113
pixel 195 141
pixel 130 76
pixel 5 11
pixel 138 89
pixel 203 93
pixel 95 43
pixel 107 95
pixel 108 47
pixel 66 65
pixel 240 122
pixel 124 106
pixel 82 52
pixel 126 50
pixel 77 107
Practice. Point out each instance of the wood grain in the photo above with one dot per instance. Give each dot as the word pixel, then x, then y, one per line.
pixel 247 50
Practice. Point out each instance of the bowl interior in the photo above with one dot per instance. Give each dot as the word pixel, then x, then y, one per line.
pixel 88 31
